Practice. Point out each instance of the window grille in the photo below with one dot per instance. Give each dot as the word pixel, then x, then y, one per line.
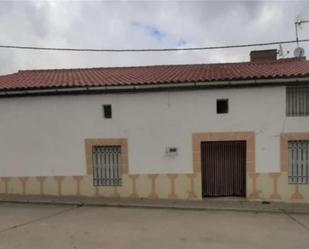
pixel 299 161
pixel 297 100
pixel 106 165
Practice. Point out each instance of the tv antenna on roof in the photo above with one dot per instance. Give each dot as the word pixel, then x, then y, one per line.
pixel 299 51
pixel 298 24
pixel 281 52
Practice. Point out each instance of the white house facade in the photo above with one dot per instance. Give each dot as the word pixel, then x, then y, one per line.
pixel 178 140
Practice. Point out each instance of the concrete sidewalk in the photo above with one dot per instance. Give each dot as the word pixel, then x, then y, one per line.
pixel 39 226
pixel 219 204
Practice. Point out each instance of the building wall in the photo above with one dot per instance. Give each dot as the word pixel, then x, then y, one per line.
pixel 45 136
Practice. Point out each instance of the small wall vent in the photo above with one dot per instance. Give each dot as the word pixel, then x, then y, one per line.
pixel 171 151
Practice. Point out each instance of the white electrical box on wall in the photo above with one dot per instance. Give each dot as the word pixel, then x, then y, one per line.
pixel 171 151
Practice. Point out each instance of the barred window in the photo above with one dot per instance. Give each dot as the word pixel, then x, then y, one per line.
pixel 299 161
pixel 297 100
pixel 106 165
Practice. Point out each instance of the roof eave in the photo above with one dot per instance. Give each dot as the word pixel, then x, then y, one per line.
pixel 162 86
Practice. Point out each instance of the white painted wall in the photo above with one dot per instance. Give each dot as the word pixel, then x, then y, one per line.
pixel 45 135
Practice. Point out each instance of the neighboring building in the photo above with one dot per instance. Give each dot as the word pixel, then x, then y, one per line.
pixel 178 131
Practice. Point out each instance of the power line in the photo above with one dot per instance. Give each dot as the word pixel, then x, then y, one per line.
pixel 149 49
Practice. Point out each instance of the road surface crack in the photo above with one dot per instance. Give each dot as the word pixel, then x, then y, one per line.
pixel 295 220
pixel 39 219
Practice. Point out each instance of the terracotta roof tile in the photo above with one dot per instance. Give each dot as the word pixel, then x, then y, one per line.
pixel 145 75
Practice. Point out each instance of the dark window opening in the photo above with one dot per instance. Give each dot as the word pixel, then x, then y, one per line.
pixel 222 106
pixel 107 111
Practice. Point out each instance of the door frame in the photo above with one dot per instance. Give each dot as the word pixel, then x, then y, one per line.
pixel 247 136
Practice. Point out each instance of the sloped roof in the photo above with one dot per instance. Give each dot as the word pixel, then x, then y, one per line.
pixel 152 75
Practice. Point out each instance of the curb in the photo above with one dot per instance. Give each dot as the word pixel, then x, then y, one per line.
pixel 155 206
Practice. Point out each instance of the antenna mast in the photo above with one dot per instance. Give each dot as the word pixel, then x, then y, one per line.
pixel 297 24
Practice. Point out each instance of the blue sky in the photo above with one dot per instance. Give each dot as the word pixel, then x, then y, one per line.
pixel 159 35
pixel 150 30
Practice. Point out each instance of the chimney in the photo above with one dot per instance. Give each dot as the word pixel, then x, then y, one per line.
pixel 263 55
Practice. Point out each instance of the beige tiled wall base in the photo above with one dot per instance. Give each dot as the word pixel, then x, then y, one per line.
pixel 33 186
pixel 152 186
pixel 143 187
pixel 15 186
pixel 50 186
pixel 86 186
pixel 275 187
pixel 165 188
pixel 260 186
pixel 4 184
pixel 69 186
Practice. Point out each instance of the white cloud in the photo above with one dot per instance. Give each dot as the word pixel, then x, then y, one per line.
pixel 108 24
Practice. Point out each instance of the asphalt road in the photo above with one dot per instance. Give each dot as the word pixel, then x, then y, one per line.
pixel 48 226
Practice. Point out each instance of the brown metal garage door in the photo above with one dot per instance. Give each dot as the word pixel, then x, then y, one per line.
pixel 223 168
